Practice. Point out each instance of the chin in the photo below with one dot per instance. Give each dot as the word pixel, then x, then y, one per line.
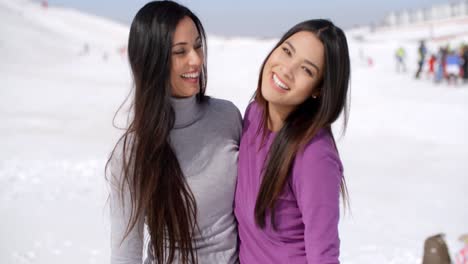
pixel 196 91
pixel 269 95
pixel 191 91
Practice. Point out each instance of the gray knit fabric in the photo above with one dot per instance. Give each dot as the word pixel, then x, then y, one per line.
pixel 206 141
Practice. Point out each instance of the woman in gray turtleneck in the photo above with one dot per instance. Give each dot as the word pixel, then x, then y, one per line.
pixel 174 169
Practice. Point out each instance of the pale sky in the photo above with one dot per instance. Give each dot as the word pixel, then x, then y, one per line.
pixel 260 18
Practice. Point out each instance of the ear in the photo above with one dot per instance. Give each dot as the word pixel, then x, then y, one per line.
pixel 317 92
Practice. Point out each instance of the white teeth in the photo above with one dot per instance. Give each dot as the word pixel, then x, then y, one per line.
pixel 190 75
pixel 280 83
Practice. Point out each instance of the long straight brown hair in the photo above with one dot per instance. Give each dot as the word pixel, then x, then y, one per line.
pixel 150 169
pixel 307 119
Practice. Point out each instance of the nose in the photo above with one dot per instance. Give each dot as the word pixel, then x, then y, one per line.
pixel 287 71
pixel 195 58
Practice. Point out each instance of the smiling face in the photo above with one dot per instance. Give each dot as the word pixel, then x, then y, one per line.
pixel 293 71
pixel 186 59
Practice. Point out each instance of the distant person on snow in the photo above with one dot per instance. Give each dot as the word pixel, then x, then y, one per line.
pixel 462 256
pixel 440 68
pixel 400 56
pixel 453 62
pixel 465 64
pixel 431 63
pixel 85 50
pixel 421 56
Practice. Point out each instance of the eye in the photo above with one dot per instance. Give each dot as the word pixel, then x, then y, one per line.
pixel 287 51
pixel 308 71
pixel 198 46
pixel 179 52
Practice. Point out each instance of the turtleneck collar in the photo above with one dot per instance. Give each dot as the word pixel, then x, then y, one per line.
pixel 187 111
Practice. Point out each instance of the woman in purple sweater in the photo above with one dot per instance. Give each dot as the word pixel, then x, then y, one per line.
pixel 290 175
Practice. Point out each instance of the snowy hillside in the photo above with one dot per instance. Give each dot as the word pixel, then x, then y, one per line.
pixel 63 75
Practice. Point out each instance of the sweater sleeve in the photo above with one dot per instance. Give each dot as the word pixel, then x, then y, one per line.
pixel 130 249
pixel 316 184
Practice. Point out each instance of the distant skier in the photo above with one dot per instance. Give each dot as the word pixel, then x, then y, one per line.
pixel 85 50
pixel 462 256
pixel 122 51
pixel 453 63
pixel 465 64
pixel 421 56
pixel 440 68
pixel 431 63
pixel 400 56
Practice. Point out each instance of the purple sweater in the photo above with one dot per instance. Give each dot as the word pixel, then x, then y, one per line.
pixel 307 211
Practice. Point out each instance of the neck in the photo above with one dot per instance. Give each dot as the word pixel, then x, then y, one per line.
pixel 187 111
pixel 276 116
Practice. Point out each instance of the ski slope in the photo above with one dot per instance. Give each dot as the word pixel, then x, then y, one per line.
pixel 63 74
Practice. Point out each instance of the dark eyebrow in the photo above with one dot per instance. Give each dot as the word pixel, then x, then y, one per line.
pixel 312 64
pixel 290 45
pixel 185 43
pixel 306 61
pixel 180 44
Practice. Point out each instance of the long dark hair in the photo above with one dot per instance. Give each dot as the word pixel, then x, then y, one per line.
pixel 307 119
pixel 150 169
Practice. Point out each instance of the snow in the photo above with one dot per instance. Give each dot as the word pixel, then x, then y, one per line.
pixel 405 150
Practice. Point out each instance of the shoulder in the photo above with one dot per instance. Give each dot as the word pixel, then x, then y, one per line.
pixel 317 172
pixel 221 104
pixel 252 115
pixel 319 158
pixel 253 110
pixel 223 107
pixel 321 146
pixel 224 115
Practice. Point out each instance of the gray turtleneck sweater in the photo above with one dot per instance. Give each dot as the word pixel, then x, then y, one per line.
pixel 206 140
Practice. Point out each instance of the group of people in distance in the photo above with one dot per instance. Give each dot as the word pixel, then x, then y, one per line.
pixel 449 64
